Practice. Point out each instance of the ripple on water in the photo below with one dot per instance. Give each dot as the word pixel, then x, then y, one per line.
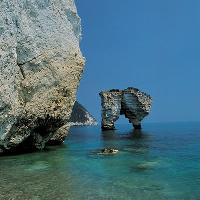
pixel 163 164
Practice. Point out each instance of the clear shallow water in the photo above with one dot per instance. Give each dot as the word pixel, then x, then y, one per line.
pixel 162 163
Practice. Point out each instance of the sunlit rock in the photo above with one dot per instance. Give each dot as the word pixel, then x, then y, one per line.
pixel 40 69
pixel 79 117
pixel 108 151
pixel 131 102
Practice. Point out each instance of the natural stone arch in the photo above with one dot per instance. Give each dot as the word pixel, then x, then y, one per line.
pixel 131 102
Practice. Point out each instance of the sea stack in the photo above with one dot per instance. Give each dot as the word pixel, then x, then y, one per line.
pixel 131 102
pixel 40 69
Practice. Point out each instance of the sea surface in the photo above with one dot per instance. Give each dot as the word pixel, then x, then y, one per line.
pixel 161 162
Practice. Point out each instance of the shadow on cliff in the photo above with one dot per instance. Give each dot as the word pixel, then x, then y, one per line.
pixel 20 151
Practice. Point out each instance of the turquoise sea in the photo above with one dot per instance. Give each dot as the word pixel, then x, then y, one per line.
pixel 162 162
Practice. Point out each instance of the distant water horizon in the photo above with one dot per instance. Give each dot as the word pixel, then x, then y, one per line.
pixel 162 161
pixel 147 122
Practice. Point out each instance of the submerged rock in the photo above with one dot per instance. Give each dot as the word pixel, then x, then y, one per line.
pixel 131 102
pixel 146 166
pixel 40 69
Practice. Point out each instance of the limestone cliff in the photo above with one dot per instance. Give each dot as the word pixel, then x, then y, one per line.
pixel 81 117
pixel 40 69
pixel 131 102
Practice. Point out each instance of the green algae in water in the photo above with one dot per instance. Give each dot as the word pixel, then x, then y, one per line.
pixel 161 163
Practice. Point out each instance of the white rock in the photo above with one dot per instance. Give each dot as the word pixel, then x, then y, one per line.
pixel 40 69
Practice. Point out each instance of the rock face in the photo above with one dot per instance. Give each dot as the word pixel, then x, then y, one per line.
pixel 79 117
pixel 40 69
pixel 131 102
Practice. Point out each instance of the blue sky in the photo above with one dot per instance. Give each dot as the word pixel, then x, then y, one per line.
pixel 152 45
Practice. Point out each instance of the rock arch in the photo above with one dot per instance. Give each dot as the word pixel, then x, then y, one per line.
pixel 131 102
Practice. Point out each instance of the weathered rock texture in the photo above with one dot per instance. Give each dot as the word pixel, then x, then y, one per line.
pixel 131 102
pixel 79 117
pixel 40 68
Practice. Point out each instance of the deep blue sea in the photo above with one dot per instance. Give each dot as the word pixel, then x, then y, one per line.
pixel 162 162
